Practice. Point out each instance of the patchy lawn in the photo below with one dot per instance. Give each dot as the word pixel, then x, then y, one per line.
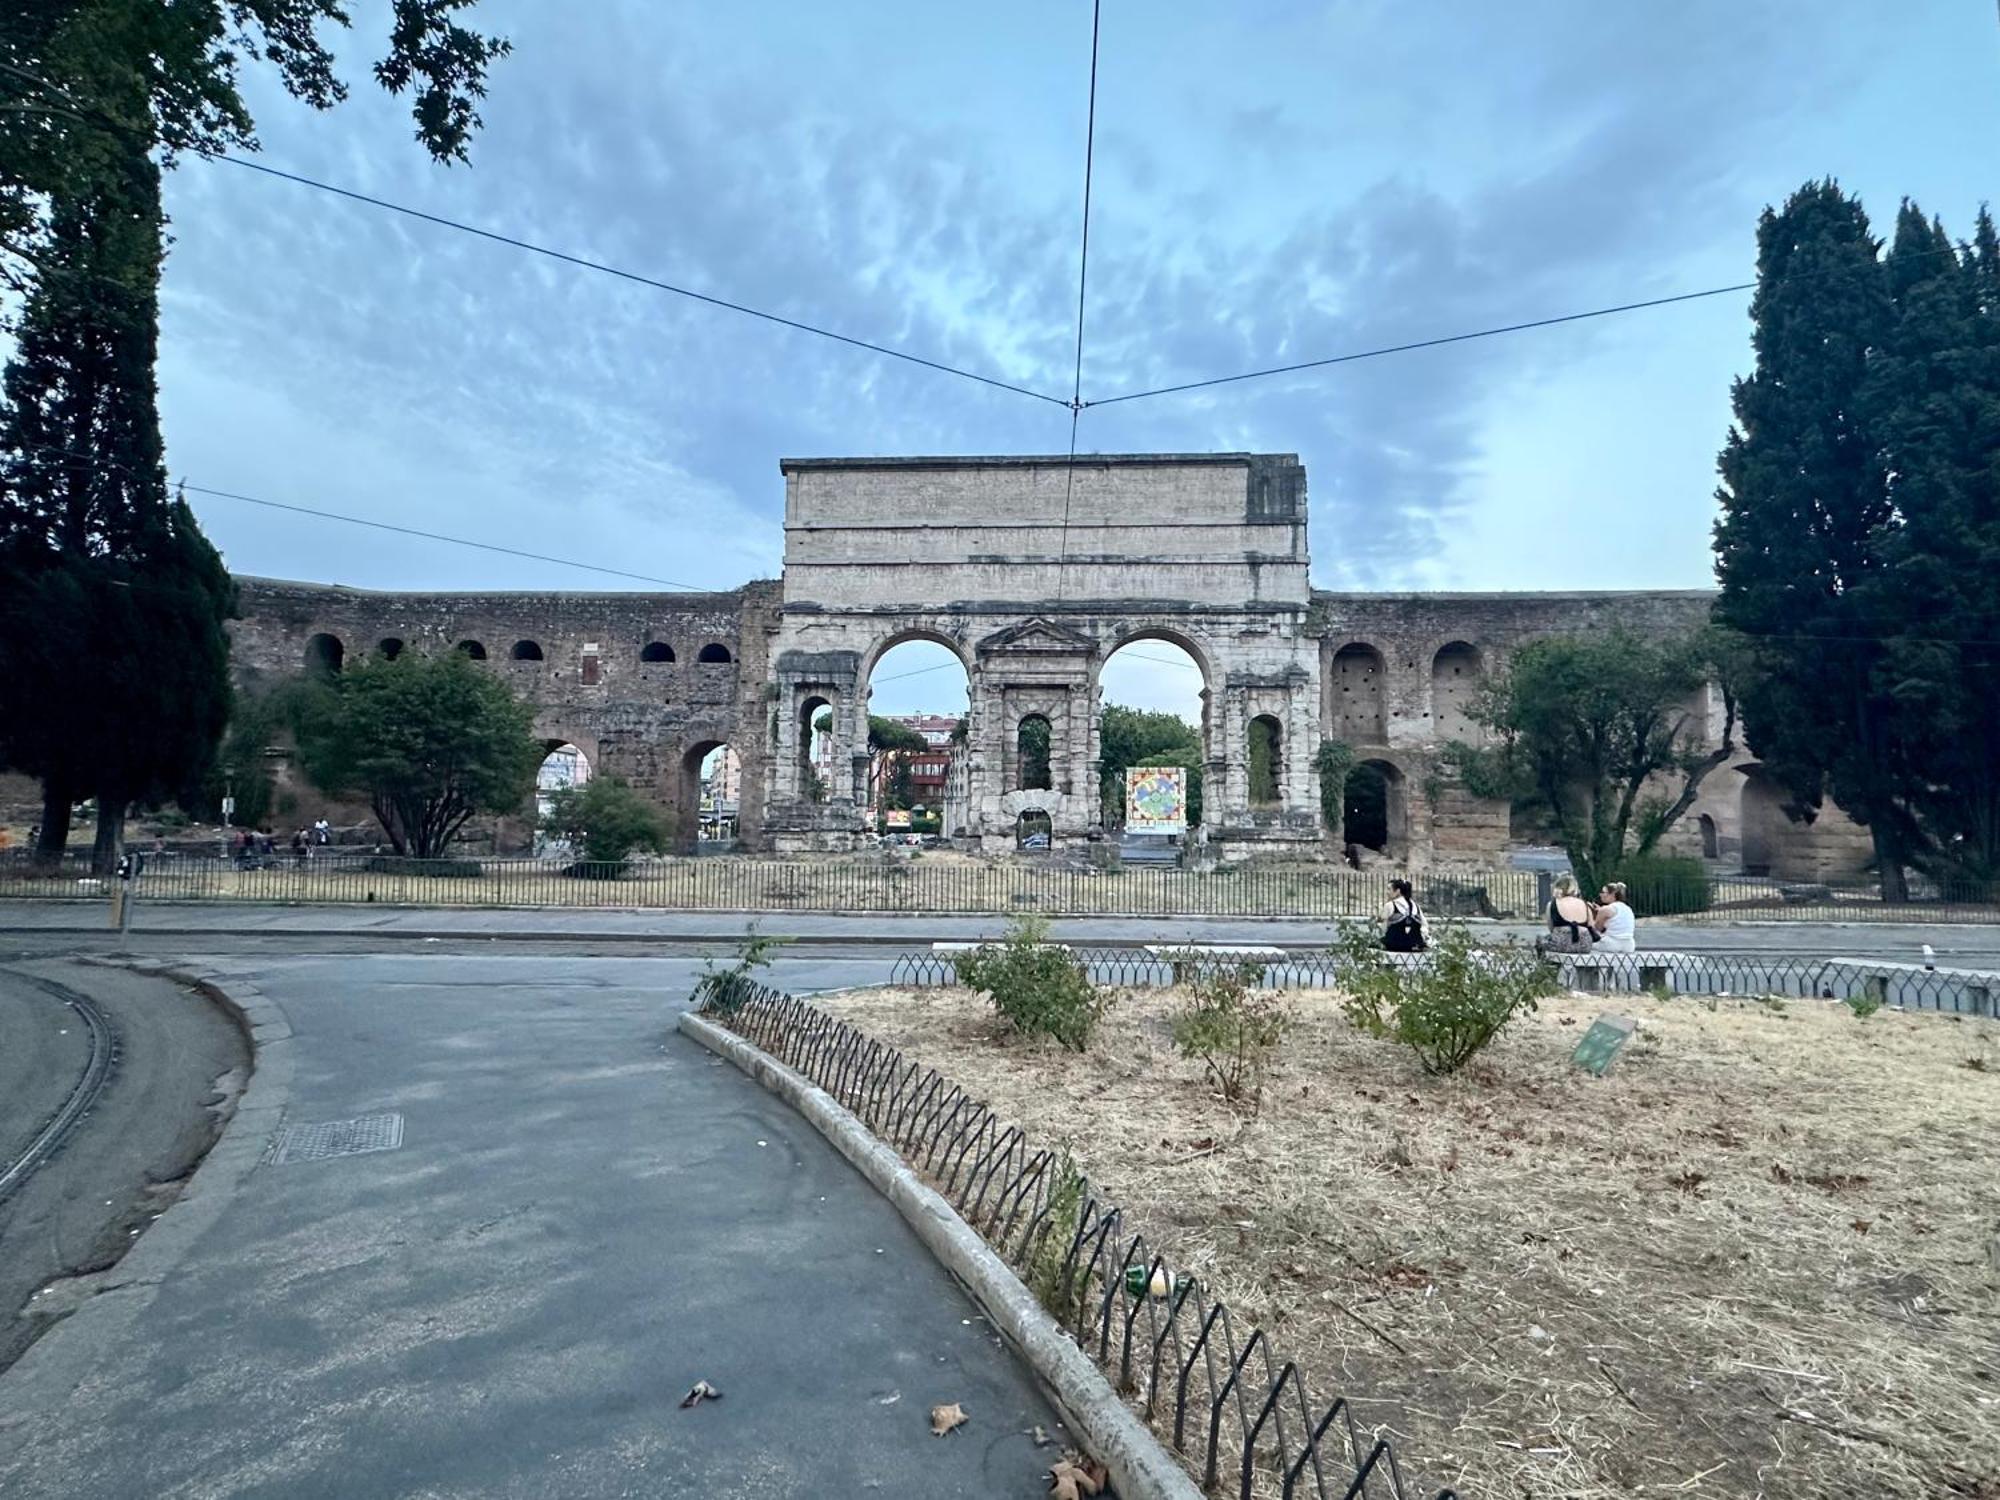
pixel 1756 1260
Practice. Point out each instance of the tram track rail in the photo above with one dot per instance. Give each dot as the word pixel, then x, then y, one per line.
pixel 95 1074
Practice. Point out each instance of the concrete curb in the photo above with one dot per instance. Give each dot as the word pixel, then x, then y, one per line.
pixel 43 1379
pixel 1141 1468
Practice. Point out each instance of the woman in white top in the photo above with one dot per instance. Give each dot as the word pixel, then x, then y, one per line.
pixel 1618 923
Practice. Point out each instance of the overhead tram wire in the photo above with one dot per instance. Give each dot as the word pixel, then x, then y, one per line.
pixel 585 263
pixel 1076 401
pixel 429 536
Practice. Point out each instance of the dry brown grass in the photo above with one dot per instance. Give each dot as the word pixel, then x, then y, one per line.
pixel 1754 1261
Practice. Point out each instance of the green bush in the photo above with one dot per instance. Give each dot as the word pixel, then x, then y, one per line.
pixel 1661 885
pixel 1038 989
pixel 1449 1005
pixel 723 990
pixel 1057 1289
pixel 605 820
pixel 1232 1027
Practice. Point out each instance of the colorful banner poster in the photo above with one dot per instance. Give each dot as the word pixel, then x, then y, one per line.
pixel 1156 799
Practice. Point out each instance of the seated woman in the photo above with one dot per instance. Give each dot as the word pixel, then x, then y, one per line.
pixel 1403 921
pixel 1572 926
pixel 1618 923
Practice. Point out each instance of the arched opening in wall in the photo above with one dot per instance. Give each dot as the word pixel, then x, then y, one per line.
pixel 1710 845
pixel 389 647
pixel 661 651
pixel 1031 754
pixel 1267 759
pixel 1455 674
pixel 1153 715
pixel 714 651
pixel 1357 696
pixel 526 651
pixel 815 741
pixel 1372 812
pixel 1762 821
pixel 473 649
pixel 1034 831
pixel 917 737
pixel 711 800
pixel 563 766
pixel 324 655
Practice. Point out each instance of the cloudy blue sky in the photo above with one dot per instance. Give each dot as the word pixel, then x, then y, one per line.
pixel 1274 182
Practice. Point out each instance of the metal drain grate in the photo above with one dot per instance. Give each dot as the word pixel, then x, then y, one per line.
pixel 336 1138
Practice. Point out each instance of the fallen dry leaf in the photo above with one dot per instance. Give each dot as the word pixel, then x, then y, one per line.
pixel 944 1418
pixel 1075 1476
pixel 701 1392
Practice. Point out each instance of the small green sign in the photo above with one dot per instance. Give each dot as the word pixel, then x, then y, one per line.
pixel 1599 1047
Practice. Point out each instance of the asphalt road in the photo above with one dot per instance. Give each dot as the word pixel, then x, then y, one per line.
pixel 586 1215
pixel 177 1061
pixel 175 927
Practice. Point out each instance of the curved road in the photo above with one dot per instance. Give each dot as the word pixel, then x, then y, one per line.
pixel 45 1048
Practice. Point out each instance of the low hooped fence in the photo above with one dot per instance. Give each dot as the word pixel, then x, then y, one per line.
pixel 1237 1413
pixel 1915 986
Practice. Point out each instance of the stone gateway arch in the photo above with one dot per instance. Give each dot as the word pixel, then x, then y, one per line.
pixel 1032 571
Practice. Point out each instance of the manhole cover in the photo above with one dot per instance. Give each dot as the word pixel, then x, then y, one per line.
pixel 337 1138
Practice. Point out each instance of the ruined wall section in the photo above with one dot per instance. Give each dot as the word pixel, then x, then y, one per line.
pixel 621 676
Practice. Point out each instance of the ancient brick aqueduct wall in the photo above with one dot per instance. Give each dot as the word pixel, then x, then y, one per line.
pixel 1207 551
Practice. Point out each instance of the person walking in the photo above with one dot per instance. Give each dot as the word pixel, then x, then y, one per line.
pixel 1571 922
pixel 1403 921
pixel 1616 922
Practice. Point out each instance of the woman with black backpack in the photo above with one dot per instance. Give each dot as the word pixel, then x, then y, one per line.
pixel 1403 920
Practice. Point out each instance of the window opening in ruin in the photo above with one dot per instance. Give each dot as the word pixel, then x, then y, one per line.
pixel 526 651
pixel 1710 844
pixel 389 648
pixel 714 651
pixel 1454 683
pixel 564 766
pixel 324 654
pixel 472 649
pixel 717 799
pixel 1365 811
pixel 1266 760
pixel 591 669
pixel 1031 754
pixel 1154 713
pixel 815 749
pixel 661 651
pixel 1034 831
pixel 917 684
pixel 1357 690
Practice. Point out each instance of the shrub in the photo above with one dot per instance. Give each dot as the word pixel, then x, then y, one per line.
pixel 1447 1006
pixel 1046 1278
pixel 1232 1027
pixel 722 990
pixel 1038 989
pixel 605 820
pixel 1661 885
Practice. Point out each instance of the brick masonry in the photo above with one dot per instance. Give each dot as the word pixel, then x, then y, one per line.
pixel 1033 574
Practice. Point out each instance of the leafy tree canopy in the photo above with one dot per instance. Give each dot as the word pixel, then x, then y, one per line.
pixel 1599 730
pixel 606 820
pixel 889 735
pixel 430 741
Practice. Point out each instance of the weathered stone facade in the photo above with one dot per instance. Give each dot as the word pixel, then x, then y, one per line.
pixel 1032 571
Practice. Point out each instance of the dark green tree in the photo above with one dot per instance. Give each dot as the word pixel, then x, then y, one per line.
pixel 606 821
pixel 1599 731
pixel 429 741
pixel 1933 404
pixel 113 660
pixel 889 743
pixel 1128 737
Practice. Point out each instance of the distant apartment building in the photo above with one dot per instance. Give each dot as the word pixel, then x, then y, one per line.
pixel 930 769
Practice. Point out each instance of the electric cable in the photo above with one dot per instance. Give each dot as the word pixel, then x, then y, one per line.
pixel 1076 402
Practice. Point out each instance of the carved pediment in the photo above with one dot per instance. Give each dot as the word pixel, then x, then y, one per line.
pixel 1038 637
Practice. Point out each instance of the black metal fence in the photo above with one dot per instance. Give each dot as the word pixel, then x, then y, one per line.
pixel 941 883
pixel 1861 981
pixel 1237 1413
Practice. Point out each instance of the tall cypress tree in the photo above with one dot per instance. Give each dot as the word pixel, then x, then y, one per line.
pixel 1933 404
pixel 1804 508
pixel 113 660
